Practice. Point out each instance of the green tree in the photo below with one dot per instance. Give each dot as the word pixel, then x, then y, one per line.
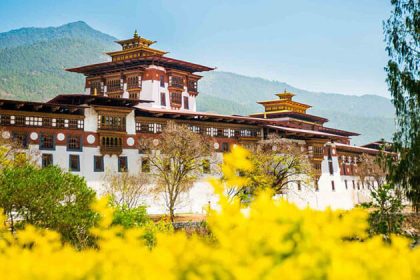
pixel 402 34
pixel 48 198
pixel 130 217
pixel 386 218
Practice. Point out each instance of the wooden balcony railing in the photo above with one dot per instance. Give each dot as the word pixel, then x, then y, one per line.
pixel 176 82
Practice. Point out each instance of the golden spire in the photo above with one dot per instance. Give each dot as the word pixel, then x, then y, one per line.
pixel 136 35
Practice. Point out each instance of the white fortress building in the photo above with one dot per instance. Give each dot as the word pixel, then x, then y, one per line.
pixel 133 96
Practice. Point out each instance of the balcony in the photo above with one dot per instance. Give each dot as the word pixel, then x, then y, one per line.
pixel 192 86
pixel 176 82
pixel 110 145
pixel 111 123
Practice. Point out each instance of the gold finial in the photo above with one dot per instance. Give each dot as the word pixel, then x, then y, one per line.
pixel 136 35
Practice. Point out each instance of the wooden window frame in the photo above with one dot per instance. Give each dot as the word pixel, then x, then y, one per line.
pixel 122 160
pixel 47 160
pixel 77 167
pixel 95 166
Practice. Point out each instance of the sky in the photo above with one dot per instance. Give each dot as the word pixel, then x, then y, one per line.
pixel 333 46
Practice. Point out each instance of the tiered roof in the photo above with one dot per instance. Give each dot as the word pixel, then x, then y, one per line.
pixel 136 53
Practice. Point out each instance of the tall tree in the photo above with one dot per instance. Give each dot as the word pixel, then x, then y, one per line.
pixel 177 160
pixel 402 34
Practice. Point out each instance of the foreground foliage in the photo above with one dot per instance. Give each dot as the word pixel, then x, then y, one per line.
pixel 402 35
pixel 270 240
pixel 47 198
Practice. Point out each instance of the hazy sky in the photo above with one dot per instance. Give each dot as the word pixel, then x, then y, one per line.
pixel 319 45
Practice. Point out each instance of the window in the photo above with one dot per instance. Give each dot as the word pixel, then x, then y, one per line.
pixel 122 164
pixel 134 82
pixel 332 186
pixel 98 163
pixel 74 163
pixel 206 166
pixel 225 147
pixel 299 186
pixel 158 128
pixel 74 143
pixel 186 105
pixel 59 123
pixel 46 122
pixel 34 121
pixel 21 139
pixel 47 142
pixel 20 120
pixel 316 185
pixel 162 99
pixel 4 119
pixel 145 165
pixel 318 151
pixel 354 186
pixel 176 97
pixel 111 122
pixel 113 85
pixel 47 160
pixel 192 86
pixel 330 166
pixel 195 129
pixel 175 81
pixel 209 131
pixel 162 80
pixel 345 183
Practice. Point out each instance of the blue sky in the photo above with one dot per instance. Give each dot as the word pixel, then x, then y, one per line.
pixel 319 45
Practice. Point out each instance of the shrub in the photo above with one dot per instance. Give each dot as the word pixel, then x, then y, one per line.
pixel 270 240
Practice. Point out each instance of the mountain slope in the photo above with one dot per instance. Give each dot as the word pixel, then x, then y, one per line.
pixel 370 115
pixel 32 63
pixel 32 67
pixel 74 30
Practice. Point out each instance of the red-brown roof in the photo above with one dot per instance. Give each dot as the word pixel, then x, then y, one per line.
pixel 357 149
pixel 306 132
pixel 107 67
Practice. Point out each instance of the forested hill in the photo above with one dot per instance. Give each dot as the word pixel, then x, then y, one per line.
pixel 32 63
pixel 32 60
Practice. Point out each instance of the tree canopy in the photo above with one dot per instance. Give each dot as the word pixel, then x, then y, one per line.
pixel 402 34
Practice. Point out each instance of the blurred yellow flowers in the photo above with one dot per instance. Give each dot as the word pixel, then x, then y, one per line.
pixel 273 240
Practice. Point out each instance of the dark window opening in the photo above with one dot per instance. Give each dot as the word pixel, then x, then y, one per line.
pixel 145 165
pixel 206 166
pixel 333 186
pixel 186 104
pixel 21 139
pixel 47 142
pixel 225 147
pixel 330 166
pixel 122 164
pixel 74 163
pixel 74 143
pixel 98 163
pixel 47 160
pixel 162 99
pixel 162 80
